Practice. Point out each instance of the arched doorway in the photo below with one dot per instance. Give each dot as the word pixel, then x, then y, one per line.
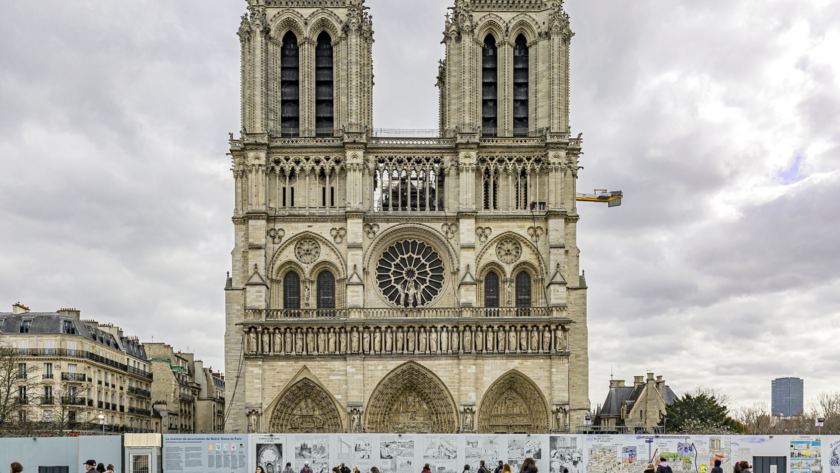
pixel 305 407
pixel 513 404
pixel 411 399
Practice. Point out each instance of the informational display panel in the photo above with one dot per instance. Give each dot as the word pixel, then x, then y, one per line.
pixel 205 453
pixel 451 453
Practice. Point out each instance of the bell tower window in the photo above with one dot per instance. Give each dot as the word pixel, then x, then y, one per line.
pixel 324 117
pixel 489 87
pixel 520 87
pixel 491 290
pixel 291 291
pixel 290 86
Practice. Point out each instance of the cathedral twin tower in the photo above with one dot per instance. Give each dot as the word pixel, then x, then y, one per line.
pixel 417 284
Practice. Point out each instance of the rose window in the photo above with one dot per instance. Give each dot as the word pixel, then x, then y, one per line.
pixel 509 251
pixel 307 251
pixel 410 274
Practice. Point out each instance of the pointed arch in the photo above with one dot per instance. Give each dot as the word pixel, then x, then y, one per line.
pixel 540 269
pixel 411 399
pixel 513 404
pixel 305 406
pixel 524 23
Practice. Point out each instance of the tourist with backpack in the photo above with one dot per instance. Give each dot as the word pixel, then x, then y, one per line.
pixel 306 468
pixel 481 468
pixel 499 468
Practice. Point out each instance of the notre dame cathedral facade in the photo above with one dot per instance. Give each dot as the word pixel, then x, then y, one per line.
pixel 396 284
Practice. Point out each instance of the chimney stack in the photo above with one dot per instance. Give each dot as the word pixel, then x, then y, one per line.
pixel 638 381
pixel 660 383
pixel 650 378
pixel 71 312
pixel 18 308
pixel 616 383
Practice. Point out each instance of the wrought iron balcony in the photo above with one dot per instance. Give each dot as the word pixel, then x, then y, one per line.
pixel 75 377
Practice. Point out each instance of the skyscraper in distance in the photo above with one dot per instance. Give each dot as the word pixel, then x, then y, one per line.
pixel 788 396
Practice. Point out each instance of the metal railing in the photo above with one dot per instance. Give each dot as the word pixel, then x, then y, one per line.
pixel 47 376
pixel 75 377
pixel 62 352
pixel 47 400
pixel 139 392
pixel 186 397
pixel 394 313
pixel 620 429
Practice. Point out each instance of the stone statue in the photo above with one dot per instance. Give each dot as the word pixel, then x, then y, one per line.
pixel 278 342
pixel 265 342
pixel 490 338
pixel 254 421
pixel 310 342
pixel 342 341
pixel 411 294
pixel 252 341
pixel 354 341
pixel 467 419
pixel 454 339
pixel 433 340
pixel 366 341
pixel 565 339
pixel 322 341
pixel 409 341
pixel 558 339
pixel 560 418
pixel 421 340
pixel 509 291
pixel 400 340
pixel 546 342
pixel 523 339
pixel 377 341
pixel 331 341
pixel 306 294
pixel 299 343
pixel 444 340
pixel 468 346
pixel 355 421
pixel 500 340
pixel 512 343
pixel 479 339
pixel 389 340
pixel 535 339
pixel 288 341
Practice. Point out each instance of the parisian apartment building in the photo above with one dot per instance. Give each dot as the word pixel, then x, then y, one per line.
pixel 187 396
pixel 74 373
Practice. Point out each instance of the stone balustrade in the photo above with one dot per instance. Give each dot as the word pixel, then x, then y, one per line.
pixel 409 338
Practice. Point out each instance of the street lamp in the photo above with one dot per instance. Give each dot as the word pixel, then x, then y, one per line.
pixel 101 417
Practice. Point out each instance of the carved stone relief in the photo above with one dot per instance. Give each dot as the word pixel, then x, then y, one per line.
pixel 276 235
pixel 371 229
pixel 509 251
pixel 307 250
pixel 483 233
pixel 338 234
pixel 450 230
pixel 535 233
pixel 513 404
pixel 305 407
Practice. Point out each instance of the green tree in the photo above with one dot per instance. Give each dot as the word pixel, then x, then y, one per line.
pixel 699 413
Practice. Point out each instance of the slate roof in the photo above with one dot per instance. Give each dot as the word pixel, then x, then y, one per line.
pixel 617 394
pixel 53 323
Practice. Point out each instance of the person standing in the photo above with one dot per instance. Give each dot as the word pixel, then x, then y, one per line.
pixel 374 470
pixel 650 468
pixel 426 468
pixel 663 466
pixel 499 468
pixel 746 467
pixel 717 468
pixel 288 468
pixel 506 468
pixel 306 468
pixel 15 468
pixel 90 465
pixel 466 469
pixel 344 468
pixel 100 468
pixel 481 468
pixel 529 466
pixel 109 468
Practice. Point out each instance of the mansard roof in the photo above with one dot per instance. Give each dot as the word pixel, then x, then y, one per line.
pixel 631 394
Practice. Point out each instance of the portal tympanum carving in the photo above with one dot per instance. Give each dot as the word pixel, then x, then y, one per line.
pixel 305 407
pixel 513 404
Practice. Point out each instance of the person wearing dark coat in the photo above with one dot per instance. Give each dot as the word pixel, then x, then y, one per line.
pixel 650 468
pixel 663 466
pixel 528 466
pixel 717 468
pixel 499 468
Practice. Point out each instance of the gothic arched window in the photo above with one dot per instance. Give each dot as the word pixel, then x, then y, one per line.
pixel 324 86
pixel 523 289
pixel 291 291
pixel 290 86
pixel 491 290
pixel 326 290
pixel 520 87
pixel 489 89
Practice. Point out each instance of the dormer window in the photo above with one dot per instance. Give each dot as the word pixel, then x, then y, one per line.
pixel 69 328
pixel 25 326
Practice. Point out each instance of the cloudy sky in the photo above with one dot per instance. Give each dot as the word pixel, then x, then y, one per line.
pixel 720 121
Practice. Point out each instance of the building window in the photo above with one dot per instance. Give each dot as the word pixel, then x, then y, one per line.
pixel 523 289
pixel 326 290
pixel 491 190
pixel 21 370
pixel 489 89
pixel 520 87
pixel 324 86
pixel 291 291
pixel 48 371
pixel 25 326
pixel 68 327
pixel 491 290
pixel 290 86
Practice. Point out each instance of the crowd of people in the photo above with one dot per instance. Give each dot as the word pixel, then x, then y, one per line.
pixel 90 466
pixel 662 467
pixel 528 466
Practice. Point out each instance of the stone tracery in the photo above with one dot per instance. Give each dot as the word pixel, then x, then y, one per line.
pixel 410 274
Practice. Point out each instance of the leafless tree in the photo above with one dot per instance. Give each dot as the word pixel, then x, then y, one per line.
pixel 18 391
pixel 756 418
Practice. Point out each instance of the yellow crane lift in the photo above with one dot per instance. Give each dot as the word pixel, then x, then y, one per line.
pixel 612 198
